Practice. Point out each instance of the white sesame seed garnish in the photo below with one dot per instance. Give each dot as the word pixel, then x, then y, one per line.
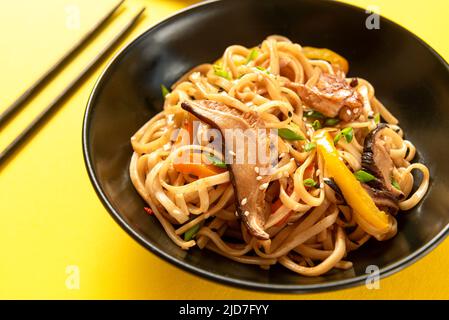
pixel 256 169
pixel 263 186
pixel 348 112
pixel 244 201
pixel 246 213
pixel 236 214
pixel 292 159
pixel 321 185
pixel 167 146
pixel 258 178
pixel 356 110
pixel 370 113
pixel 232 153
pixel 318 172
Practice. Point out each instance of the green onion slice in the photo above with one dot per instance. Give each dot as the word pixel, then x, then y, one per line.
pixel 215 161
pixel 309 183
pixel 189 234
pixel 164 90
pixel 309 147
pixel 289 134
pixel 364 176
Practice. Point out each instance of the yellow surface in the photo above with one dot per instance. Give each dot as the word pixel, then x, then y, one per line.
pixel 51 217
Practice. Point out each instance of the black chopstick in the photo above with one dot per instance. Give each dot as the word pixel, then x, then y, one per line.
pixel 68 90
pixel 24 97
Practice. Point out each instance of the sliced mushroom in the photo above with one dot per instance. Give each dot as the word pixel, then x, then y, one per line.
pixel 332 96
pixel 383 199
pixel 338 194
pixel 249 189
pixel 376 159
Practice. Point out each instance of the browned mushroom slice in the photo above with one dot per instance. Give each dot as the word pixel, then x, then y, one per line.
pixel 376 159
pixel 383 199
pixel 249 187
pixel 332 96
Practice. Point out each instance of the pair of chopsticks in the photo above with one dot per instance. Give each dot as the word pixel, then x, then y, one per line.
pixel 68 90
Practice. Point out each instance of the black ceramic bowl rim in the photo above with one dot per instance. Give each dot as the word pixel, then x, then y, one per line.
pixel 294 288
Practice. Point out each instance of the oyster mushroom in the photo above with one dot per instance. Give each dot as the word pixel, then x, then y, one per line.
pixel 249 185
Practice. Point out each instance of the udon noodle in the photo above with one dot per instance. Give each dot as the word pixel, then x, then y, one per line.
pixel 315 215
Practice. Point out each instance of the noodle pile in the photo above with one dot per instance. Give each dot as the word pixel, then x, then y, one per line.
pixel 310 231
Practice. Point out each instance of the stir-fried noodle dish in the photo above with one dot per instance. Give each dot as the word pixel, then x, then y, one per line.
pixel 273 155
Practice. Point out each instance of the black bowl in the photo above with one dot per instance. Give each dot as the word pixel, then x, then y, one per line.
pixel 410 78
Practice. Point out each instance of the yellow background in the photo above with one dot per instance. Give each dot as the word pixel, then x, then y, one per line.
pixel 50 215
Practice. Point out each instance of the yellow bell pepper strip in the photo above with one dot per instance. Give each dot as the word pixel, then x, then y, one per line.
pixel 328 55
pixel 353 192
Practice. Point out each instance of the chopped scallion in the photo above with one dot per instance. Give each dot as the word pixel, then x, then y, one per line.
pixel 252 55
pixel 289 134
pixel 189 234
pixel 164 90
pixel 331 122
pixel 309 183
pixel 348 133
pixel 219 71
pixel 364 176
pixel 377 118
pixel 314 114
pixel 215 161
pixel 395 184
pixel 316 124
pixel 309 146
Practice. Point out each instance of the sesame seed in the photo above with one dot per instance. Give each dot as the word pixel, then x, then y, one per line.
pixel 244 201
pixel 263 186
pixel 236 214
pixel 232 153
pixel 256 169
pixel 318 172
pixel 258 178
pixel 321 185
pixel 348 112
pixel 246 213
